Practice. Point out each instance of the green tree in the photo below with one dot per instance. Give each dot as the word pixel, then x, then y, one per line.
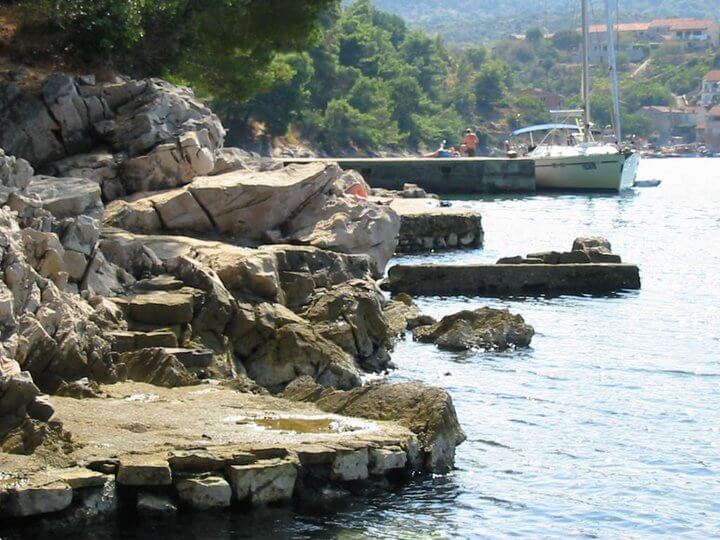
pixel 226 48
pixel 534 35
pixel 491 84
pixel 566 40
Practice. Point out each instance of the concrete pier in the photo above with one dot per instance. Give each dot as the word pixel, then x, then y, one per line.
pixel 512 279
pixel 426 226
pixel 441 175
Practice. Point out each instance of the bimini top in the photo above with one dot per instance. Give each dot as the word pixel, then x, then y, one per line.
pixel 544 127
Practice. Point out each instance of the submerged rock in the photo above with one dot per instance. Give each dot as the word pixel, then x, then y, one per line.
pixel 484 328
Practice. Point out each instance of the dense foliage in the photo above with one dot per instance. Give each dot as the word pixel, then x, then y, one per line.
pixel 225 47
pixel 374 84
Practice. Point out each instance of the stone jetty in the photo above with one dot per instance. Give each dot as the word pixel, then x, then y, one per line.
pixel 427 226
pixel 590 268
pixel 185 325
pixel 442 175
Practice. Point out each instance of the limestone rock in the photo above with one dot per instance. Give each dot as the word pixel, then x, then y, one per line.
pixel 247 205
pixel 144 471
pixel 99 166
pixel 80 477
pixel 29 130
pixel 75 265
pixel 351 465
pixel 103 277
pixel 256 206
pixel 204 492
pixel 39 496
pixel 276 346
pixel 263 482
pixel 17 394
pixel 348 225
pixel 156 366
pixel 402 314
pixel 65 197
pixel 384 460
pixel 14 172
pixel 276 273
pixel 583 243
pixel 162 308
pixel 428 412
pixel 81 235
pixel 351 316
pixel 484 328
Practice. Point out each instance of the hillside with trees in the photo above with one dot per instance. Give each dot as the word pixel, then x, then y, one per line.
pixel 374 84
pixel 474 21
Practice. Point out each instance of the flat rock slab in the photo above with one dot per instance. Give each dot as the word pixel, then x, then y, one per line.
pixel 38 496
pixel 263 482
pixel 144 471
pixel 203 493
pixel 65 197
pixel 191 430
pixel 512 279
pixel 80 477
pixel 162 308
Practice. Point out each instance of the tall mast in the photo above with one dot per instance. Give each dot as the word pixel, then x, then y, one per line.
pixel 586 71
pixel 612 63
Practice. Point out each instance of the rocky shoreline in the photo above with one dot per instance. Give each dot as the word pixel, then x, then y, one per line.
pixel 187 325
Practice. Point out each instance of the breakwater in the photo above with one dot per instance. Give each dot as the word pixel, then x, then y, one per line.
pixel 441 175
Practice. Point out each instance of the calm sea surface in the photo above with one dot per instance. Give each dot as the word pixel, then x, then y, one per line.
pixel 608 427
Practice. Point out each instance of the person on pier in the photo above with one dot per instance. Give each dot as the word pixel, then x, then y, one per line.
pixel 471 142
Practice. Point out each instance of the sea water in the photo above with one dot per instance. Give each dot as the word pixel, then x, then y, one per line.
pixel 607 427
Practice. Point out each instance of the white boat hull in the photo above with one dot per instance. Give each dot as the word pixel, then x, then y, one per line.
pixel 594 171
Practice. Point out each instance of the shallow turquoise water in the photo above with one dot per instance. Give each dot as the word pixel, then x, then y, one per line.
pixel 608 427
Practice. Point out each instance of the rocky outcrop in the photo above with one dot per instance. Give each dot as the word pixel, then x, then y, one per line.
pixel 428 412
pixel 276 346
pixel 297 204
pixel 403 314
pixel 20 400
pixel 351 316
pixel 155 366
pixel 125 135
pixel 485 328
pixel 53 335
pixel 274 282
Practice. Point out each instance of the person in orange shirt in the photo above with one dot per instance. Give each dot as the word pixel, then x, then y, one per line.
pixel 471 141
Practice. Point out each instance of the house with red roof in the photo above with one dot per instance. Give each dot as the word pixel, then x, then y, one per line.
pixel 710 91
pixel 695 34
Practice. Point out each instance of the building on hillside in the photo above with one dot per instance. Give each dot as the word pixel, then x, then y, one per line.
pixel 550 100
pixel 710 91
pixel 708 129
pixel 667 122
pixel 633 38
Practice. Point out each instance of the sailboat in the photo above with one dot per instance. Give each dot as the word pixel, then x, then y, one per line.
pixel 587 164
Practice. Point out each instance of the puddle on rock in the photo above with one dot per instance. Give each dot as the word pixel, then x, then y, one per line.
pixel 305 424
